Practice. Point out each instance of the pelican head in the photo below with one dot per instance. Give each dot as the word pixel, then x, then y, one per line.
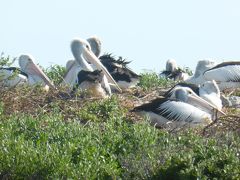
pixel 201 67
pixel 187 95
pixel 171 65
pixel 210 91
pixel 35 74
pixel 81 50
pixel 95 44
pixel 210 87
pixel 78 47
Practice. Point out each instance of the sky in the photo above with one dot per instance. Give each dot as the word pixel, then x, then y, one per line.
pixel 148 32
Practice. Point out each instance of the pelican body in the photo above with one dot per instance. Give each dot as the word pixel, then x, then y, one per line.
pixel 124 76
pixel 12 76
pixel 226 74
pixel 183 108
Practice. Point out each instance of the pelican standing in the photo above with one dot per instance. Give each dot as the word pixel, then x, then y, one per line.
pixel 79 69
pixel 177 110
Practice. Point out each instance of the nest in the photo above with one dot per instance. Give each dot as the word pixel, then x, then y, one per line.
pixel 35 101
pixel 228 123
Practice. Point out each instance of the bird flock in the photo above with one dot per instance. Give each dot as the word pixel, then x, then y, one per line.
pixel 195 101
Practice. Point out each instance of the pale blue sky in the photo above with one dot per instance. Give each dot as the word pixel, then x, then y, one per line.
pixel 146 32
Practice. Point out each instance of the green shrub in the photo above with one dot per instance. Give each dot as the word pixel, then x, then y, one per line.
pixel 5 61
pixel 151 80
pixel 48 147
pixel 55 73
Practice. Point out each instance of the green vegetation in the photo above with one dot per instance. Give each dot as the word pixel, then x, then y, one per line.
pixel 151 80
pixel 48 136
pixel 5 61
pixel 100 141
pixel 55 73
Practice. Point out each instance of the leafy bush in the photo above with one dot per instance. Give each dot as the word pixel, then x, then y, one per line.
pixel 5 61
pixel 47 146
pixel 150 80
pixel 55 73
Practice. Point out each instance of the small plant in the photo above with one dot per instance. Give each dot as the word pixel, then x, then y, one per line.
pixel 5 61
pixel 188 71
pixel 55 73
pixel 151 80
pixel 102 110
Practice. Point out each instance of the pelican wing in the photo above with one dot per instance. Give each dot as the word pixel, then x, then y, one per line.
pixel 180 111
pixel 224 72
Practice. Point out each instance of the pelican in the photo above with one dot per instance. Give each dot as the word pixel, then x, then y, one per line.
pixel 177 110
pixel 29 73
pixel 34 72
pixel 12 76
pixel 226 74
pixel 209 91
pixel 123 75
pixel 80 68
pixel 173 71
pixel 95 44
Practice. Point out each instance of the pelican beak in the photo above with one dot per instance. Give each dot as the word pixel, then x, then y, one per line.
pixel 33 69
pixel 204 103
pixel 90 57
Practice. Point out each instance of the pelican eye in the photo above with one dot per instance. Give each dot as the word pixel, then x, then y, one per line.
pixel 87 46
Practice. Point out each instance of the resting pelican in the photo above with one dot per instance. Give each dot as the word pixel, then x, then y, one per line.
pixel 209 91
pixel 12 76
pixel 32 73
pixel 177 110
pixel 173 71
pixel 77 70
pixel 123 75
pixel 226 74
pixel 95 44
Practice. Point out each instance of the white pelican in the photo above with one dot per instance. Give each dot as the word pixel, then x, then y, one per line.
pixel 80 68
pixel 32 73
pixel 209 91
pixel 173 71
pixel 226 74
pixel 12 76
pixel 177 110
pixel 95 44
pixel 123 75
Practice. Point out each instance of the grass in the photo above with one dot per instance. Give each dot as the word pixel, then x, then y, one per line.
pixel 49 136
